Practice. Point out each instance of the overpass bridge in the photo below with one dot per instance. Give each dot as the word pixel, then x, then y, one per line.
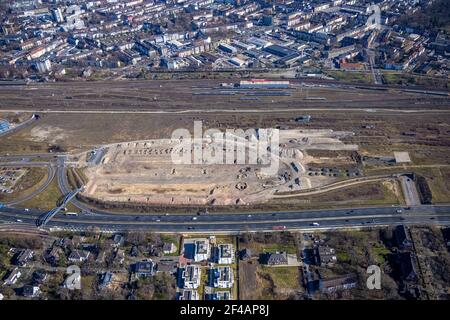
pixel 45 218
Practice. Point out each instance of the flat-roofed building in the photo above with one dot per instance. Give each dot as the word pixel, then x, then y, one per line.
pixel 188 295
pixel 227 48
pixel 189 277
pixel 224 254
pixel 219 295
pixel 202 250
pixel 222 277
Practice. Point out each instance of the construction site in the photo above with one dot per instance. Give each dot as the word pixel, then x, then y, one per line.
pixel 144 171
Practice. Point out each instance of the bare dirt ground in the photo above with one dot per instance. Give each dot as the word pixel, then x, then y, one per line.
pixel 145 171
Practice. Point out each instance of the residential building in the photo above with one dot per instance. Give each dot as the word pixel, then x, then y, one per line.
pixel 202 250
pixel 189 276
pixel 219 295
pixel 77 256
pixel 277 258
pixel 54 255
pixel 224 254
pixel 221 277
pixel 326 256
pixel 146 268
pixel 31 291
pixel 105 280
pixel 13 276
pixel 188 295
pixel 345 282
pixel 23 257
pixel 39 276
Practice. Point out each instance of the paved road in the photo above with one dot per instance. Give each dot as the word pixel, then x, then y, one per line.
pixel 410 191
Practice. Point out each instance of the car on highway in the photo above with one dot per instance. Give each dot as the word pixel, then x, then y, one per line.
pixel 399 211
pixel 278 227
pixel 27 210
pixel 158 220
pixel 19 220
pixel 194 218
pixel 315 224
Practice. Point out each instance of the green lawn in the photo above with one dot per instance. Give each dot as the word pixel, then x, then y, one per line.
pixel 46 200
pixel 283 277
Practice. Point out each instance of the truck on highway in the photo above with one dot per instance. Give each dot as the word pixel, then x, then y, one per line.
pixel 73 214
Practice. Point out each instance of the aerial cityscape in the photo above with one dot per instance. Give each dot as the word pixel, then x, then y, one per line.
pixel 240 150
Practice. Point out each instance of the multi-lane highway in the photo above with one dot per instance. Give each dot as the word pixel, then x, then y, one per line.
pixel 235 223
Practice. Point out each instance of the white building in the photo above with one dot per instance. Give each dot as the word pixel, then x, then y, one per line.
pixel 224 254
pixel 259 43
pixel 222 277
pixel 13 277
pixel 44 65
pixel 57 15
pixel 188 295
pixel 190 276
pixel 31 291
pixel 202 250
